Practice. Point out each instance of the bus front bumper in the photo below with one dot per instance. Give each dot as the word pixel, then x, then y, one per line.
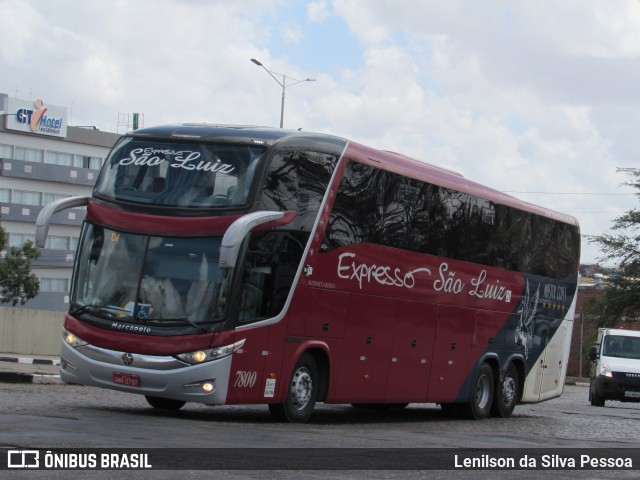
pixel 164 377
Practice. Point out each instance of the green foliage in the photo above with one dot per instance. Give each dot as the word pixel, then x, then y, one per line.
pixel 621 299
pixel 17 283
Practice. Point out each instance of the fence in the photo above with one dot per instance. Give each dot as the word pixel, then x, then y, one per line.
pixel 30 332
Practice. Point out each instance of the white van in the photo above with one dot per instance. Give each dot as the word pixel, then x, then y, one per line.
pixel 615 367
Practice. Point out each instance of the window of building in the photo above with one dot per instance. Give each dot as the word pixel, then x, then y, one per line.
pixel 54 285
pixel 18 239
pixel 86 161
pixel 28 154
pixel 95 163
pixel 59 158
pixel 5 195
pixel 6 151
pixel 57 243
pixel 25 197
pixel 52 197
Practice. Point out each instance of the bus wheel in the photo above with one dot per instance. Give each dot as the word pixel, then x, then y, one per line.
pixel 506 394
pixel 301 394
pixel 481 394
pixel 164 403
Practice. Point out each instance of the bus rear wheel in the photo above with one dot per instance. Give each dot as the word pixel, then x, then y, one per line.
pixel 302 393
pixel 164 403
pixel 506 393
pixel 479 405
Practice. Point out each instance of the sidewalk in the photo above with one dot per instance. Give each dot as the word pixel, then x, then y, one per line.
pixel 20 368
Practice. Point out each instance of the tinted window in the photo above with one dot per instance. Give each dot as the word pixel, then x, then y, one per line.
pixel 179 173
pixel 269 270
pixel 376 206
pixel 297 181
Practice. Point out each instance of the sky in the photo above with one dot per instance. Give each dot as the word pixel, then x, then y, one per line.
pixel 537 98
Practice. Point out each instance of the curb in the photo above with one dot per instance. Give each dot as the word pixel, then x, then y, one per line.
pixel 21 377
pixel 31 361
pixel 17 377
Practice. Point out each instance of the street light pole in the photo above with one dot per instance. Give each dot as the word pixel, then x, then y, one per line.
pixel 283 84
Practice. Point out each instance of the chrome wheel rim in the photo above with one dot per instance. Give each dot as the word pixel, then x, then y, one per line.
pixel 301 388
pixel 483 392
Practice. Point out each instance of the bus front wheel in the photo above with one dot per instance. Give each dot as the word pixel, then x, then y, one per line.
pixel 302 393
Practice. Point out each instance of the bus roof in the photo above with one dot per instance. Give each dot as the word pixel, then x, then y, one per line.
pixel 395 162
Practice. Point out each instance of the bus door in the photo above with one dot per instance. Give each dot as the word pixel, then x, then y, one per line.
pixel 451 353
pixel 412 355
pixel 551 364
pixel 544 379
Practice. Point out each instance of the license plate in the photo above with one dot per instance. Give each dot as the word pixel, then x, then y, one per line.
pixel 126 379
pixel 632 394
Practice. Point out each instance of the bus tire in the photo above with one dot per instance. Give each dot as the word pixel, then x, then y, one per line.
pixel 164 403
pixel 506 393
pixel 302 393
pixel 479 405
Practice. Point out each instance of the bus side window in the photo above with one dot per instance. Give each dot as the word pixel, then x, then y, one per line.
pixel 270 267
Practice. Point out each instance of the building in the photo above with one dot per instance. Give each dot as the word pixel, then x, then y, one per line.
pixel 43 159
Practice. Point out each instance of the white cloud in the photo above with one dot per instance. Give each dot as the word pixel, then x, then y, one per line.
pixel 317 11
pixel 523 96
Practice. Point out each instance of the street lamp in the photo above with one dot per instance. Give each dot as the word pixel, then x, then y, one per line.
pixel 283 84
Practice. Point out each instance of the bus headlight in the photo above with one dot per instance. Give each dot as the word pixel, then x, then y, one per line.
pixel 201 356
pixel 605 371
pixel 72 340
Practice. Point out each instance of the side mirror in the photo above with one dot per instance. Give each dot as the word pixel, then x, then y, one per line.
pixel 238 230
pixel 593 353
pixel 44 217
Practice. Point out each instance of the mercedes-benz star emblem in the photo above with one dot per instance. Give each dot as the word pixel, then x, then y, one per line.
pixel 127 359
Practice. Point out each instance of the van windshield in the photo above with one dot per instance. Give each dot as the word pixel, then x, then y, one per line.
pixel 622 346
pixel 179 173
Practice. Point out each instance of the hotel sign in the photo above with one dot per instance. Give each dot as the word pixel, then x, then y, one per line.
pixel 35 117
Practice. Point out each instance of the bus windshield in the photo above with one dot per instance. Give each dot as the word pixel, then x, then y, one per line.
pixel 148 279
pixel 177 173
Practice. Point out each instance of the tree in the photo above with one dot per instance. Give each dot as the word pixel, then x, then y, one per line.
pixel 621 298
pixel 17 283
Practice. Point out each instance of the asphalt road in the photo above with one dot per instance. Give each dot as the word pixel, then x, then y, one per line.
pixel 77 417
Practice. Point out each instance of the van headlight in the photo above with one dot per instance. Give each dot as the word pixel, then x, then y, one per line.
pixel 605 371
pixel 201 356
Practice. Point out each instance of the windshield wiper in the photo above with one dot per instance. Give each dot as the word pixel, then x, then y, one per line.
pixel 200 328
pixel 97 309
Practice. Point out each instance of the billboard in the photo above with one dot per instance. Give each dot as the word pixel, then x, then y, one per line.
pixel 35 117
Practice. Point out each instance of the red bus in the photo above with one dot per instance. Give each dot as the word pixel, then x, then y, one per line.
pixel 242 265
